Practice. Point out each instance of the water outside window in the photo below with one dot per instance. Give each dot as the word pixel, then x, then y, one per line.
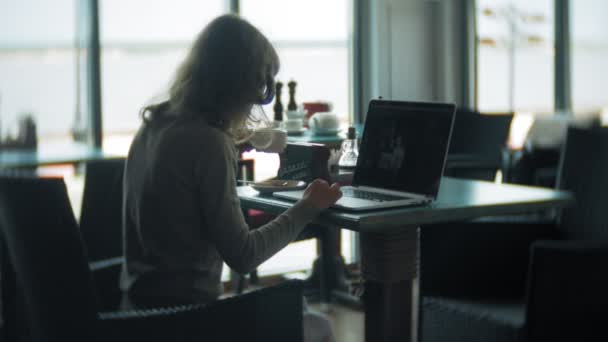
pixel 39 67
pixel 589 53
pixel 142 44
pixel 312 40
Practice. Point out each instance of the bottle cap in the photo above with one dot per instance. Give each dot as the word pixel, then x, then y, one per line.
pixel 352 133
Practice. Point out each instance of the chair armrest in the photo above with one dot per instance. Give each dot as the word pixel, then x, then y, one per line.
pixel 106 276
pixel 567 297
pixel 106 265
pixel 478 259
pixel 269 314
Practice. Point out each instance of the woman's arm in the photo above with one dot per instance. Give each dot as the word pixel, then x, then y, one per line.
pixel 241 248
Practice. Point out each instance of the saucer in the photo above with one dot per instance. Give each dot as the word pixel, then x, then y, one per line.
pixel 297 131
pixel 325 131
pixel 272 185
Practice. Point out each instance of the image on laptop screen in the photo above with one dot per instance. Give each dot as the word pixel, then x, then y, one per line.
pixel 404 146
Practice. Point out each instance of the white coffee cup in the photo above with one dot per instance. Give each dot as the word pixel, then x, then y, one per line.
pixel 324 121
pixel 271 140
pixel 278 142
pixel 293 124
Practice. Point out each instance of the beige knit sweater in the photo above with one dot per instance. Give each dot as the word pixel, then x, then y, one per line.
pixel 182 217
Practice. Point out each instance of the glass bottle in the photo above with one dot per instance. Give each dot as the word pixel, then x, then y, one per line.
pixel 350 150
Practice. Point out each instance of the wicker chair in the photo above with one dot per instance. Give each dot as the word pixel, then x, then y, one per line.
pixel 477 143
pixel 101 221
pixel 53 297
pixel 100 214
pixel 486 281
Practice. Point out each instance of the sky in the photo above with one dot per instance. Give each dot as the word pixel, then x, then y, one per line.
pixel 34 22
pixel 25 22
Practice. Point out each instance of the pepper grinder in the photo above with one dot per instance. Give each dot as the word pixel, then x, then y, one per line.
pixel 278 106
pixel 292 96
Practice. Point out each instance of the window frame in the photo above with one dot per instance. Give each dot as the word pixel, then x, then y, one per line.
pixel 562 100
pixel 562 83
pixel 90 17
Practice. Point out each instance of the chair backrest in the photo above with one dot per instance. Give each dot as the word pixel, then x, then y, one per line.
pixel 567 291
pixel 270 314
pixel 101 212
pixel 476 145
pixel 480 134
pixel 44 248
pixel 584 171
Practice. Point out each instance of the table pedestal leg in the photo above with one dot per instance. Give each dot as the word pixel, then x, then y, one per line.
pixel 328 271
pixel 389 265
pixel 387 308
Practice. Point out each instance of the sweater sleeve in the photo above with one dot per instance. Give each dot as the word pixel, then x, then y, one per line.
pixel 241 248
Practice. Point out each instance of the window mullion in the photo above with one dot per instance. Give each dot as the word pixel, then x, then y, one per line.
pixel 563 98
pixel 235 6
pixel 93 66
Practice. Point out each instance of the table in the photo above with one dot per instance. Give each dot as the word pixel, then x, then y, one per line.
pixel 51 154
pixel 390 241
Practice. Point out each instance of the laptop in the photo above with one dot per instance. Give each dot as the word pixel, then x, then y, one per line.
pixel 401 158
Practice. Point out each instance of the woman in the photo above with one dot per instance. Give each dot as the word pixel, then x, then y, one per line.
pixel 182 218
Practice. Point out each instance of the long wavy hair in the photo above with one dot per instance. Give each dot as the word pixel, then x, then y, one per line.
pixel 229 69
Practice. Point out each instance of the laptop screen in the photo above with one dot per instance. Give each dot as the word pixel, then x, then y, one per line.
pixel 404 146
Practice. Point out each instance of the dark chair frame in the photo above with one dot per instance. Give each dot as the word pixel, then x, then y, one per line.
pixel 55 298
pixel 477 143
pixel 101 211
pixel 564 282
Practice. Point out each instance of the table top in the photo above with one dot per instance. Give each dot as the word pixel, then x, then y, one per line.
pixel 51 154
pixel 332 140
pixel 459 199
pixel 309 137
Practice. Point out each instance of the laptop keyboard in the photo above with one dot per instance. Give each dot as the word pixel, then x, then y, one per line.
pixel 368 195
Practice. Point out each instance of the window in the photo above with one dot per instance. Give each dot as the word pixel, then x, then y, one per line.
pixel 142 44
pixel 39 64
pixel 515 55
pixel 312 40
pixel 589 55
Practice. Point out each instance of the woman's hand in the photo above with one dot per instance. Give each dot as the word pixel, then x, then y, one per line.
pixel 321 195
